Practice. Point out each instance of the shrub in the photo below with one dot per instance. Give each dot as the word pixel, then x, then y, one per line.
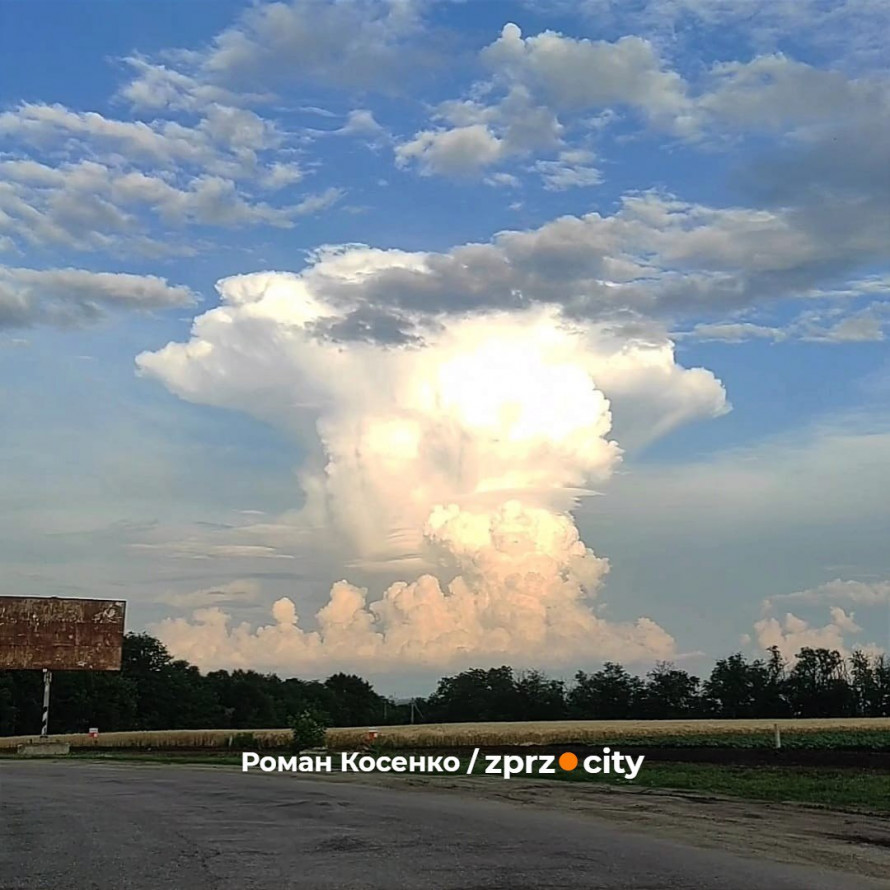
pixel 307 731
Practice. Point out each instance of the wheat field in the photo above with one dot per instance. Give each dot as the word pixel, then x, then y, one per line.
pixel 458 735
pixel 586 732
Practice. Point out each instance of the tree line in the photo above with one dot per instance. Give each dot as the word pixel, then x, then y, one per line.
pixel 154 691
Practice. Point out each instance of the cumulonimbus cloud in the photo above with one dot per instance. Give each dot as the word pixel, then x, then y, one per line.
pixel 467 446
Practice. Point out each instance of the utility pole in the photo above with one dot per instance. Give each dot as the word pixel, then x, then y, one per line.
pixel 47 681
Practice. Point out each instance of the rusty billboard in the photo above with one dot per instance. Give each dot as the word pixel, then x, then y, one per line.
pixel 60 634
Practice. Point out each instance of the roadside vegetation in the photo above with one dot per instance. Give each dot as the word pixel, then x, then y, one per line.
pixel 155 692
pixel 833 788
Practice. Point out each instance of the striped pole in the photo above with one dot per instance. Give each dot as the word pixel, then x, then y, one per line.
pixel 47 679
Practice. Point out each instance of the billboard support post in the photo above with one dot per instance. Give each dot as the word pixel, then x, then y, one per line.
pixel 47 681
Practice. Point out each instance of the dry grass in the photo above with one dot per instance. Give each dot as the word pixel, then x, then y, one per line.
pixel 456 735
pixel 558 732
pixel 167 739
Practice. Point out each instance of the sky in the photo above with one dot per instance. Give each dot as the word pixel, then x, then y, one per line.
pixel 403 336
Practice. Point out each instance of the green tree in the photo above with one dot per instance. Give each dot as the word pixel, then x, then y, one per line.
pixel 817 685
pixel 864 687
pixel 881 668
pixel 609 694
pixel 476 695
pixel 168 693
pixel 670 693
pixel 352 701
pixel 538 697
pixel 738 689
pixel 248 699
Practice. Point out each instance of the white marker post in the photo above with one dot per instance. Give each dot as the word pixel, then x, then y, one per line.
pixel 47 680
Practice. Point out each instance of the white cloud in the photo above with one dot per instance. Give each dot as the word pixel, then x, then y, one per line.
pixel 598 289
pixel 279 175
pixel 734 332
pixel 158 87
pixel 542 86
pixel 573 73
pixel 361 122
pixel 321 201
pixel 198 549
pixel 572 169
pixel 457 151
pixel 865 593
pixel 654 256
pixel 74 296
pixel 165 143
pixel 239 592
pixel 779 93
pixel 102 206
pixel 503 180
pixel 790 634
pixel 835 322
pixel 866 326
pixel 359 44
pixel 208 200
pixel 409 456
pixel 851 30
pixel 85 181
pixel 475 136
pixel 534 80
pixel 524 577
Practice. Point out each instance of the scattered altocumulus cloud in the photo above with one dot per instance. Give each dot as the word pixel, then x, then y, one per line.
pixel 67 297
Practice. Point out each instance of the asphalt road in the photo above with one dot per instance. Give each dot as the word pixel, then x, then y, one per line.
pixel 88 826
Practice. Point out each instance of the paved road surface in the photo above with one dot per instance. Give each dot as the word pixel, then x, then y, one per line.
pixel 88 826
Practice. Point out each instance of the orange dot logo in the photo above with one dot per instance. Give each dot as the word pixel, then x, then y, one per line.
pixel 568 761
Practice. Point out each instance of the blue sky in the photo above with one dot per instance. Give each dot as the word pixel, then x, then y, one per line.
pixel 676 209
